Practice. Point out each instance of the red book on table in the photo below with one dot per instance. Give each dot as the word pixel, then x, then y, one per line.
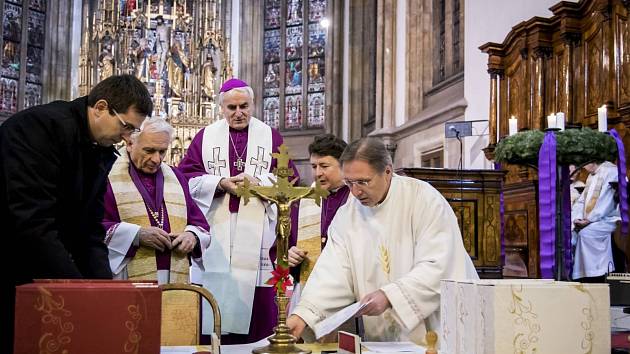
pixel 87 317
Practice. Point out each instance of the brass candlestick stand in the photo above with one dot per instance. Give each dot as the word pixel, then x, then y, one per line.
pixel 282 193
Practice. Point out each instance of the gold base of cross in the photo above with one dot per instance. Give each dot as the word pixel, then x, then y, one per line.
pixel 282 341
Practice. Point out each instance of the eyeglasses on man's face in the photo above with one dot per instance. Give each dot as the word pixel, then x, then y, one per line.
pixel 128 127
pixel 358 182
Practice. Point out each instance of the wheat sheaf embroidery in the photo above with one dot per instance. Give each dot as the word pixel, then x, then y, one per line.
pixel 384 253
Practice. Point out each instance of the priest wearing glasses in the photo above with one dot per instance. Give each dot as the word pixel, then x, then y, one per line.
pixel 155 231
pixel 241 256
pixel 389 246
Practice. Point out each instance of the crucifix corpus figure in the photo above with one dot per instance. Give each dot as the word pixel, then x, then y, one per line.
pixel 282 193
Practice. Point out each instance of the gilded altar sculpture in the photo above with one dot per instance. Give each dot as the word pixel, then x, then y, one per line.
pixel 177 47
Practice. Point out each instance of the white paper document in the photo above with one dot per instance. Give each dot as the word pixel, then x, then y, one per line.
pixel 392 347
pixel 244 348
pixel 328 325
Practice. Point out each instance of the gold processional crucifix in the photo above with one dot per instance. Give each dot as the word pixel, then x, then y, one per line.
pixel 283 193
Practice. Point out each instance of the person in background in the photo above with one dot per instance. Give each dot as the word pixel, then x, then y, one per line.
pixel 595 215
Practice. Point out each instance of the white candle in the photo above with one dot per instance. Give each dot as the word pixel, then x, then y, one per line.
pixel 551 121
pixel 602 119
pixel 513 125
pixel 560 120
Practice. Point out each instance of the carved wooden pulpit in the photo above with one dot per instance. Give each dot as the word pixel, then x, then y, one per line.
pixel 573 62
pixel 474 196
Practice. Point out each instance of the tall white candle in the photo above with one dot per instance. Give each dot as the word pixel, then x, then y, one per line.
pixel 513 125
pixel 551 121
pixel 602 119
pixel 560 120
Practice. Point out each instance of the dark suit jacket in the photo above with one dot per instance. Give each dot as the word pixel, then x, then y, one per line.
pixel 52 180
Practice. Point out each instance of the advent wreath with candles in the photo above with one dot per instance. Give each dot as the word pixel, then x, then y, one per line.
pixel 551 153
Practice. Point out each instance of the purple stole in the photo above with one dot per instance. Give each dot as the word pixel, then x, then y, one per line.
pixel 151 188
pixel 330 206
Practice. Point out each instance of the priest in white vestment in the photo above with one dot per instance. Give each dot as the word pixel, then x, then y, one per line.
pixel 595 215
pixel 154 228
pixel 389 246
pixel 242 254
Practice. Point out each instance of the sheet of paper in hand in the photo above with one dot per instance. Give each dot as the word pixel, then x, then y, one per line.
pixel 328 325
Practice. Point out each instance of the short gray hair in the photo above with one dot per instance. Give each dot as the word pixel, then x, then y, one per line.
pixel 371 150
pixel 245 89
pixel 155 125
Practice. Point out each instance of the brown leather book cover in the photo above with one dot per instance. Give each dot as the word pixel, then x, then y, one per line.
pixel 87 317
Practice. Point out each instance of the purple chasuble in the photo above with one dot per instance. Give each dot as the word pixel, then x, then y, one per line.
pixel 151 188
pixel 264 313
pixel 330 206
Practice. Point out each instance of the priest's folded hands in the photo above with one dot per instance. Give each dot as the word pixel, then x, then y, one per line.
pixel 184 243
pixel 154 237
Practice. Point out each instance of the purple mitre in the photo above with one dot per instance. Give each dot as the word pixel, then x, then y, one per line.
pixel 232 84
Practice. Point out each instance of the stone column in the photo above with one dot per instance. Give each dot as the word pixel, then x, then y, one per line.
pixel 61 54
pixel 385 62
pixel 251 50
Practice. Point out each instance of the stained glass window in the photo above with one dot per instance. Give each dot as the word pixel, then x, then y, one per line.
pixel 441 16
pixel 34 53
pixel 272 111
pixel 21 56
pixel 272 80
pixel 316 110
pixel 272 13
pixel 294 49
pixel 294 12
pixel 293 79
pixel 272 46
pixel 456 44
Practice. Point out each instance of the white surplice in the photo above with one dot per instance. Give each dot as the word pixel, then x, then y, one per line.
pixel 593 248
pixel 403 246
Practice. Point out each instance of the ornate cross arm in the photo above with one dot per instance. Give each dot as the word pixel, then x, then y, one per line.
pixel 282 190
pixel 317 194
pixel 245 191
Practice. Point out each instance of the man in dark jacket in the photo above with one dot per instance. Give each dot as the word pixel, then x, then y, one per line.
pixel 54 161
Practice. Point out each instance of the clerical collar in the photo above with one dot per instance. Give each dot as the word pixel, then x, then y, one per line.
pixel 336 189
pixel 144 174
pixel 244 130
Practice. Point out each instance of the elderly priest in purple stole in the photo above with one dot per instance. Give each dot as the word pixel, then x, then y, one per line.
pixel 154 228
pixel 242 255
